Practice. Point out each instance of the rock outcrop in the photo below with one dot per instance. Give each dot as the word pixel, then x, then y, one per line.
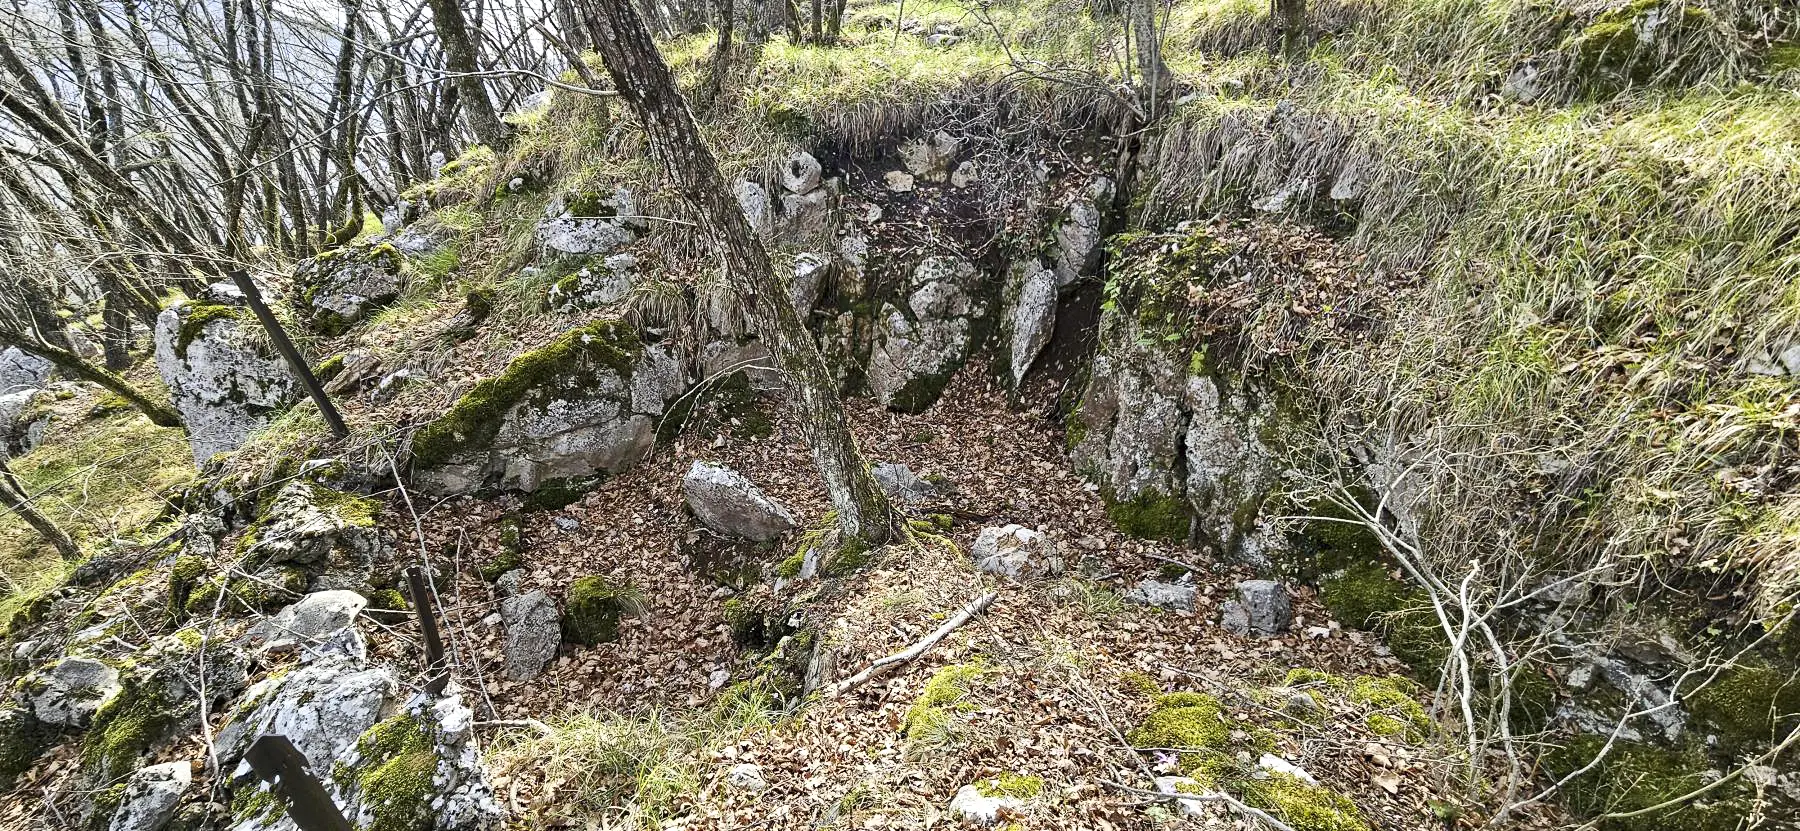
pixel 587 224
pixel 338 289
pixel 151 797
pixel 68 694
pixel 221 375
pixel 585 405
pixel 21 371
pixel 328 534
pixel 918 347
pixel 724 501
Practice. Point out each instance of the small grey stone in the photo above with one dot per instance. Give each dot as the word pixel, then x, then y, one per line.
pixel 1175 596
pixel 1173 785
pixel 902 485
pixel 533 630
pixel 971 806
pixel 729 504
pixel 898 181
pixel 510 583
pixel 1261 608
pixel 964 175
pixel 801 174
pixel 566 523
pixel 747 777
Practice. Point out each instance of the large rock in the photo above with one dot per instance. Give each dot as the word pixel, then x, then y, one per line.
pixel 384 761
pixel 1031 316
pixel 321 707
pixel 68 694
pixel 338 289
pixel 729 504
pixel 587 404
pixel 918 348
pixel 221 374
pixel 151 797
pixel 1230 471
pixel 23 417
pixel 1129 428
pixel 533 630
pixel 20 370
pixel 322 624
pixel 586 225
pixel 1080 234
pixel 1261 608
pixel 1017 552
pixel 593 285
pixel 329 534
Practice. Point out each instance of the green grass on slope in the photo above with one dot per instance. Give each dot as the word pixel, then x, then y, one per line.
pixel 96 476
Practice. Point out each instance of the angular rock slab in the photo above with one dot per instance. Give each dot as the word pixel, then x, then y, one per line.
pixel 903 485
pixel 1032 316
pixel 586 404
pixel 1175 596
pixel 1261 608
pixel 222 378
pixel 724 501
pixel 1017 552
pixel 322 624
pixel 71 692
pixel 152 796
pixel 533 631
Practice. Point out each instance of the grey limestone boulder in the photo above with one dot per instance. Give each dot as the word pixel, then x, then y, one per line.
pixel 322 624
pixel 533 631
pixel 68 694
pixel 1131 419
pixel 1260 608
pixel 21 370
pixel 23 417
pixel 729 504
pixel 338 289
pixel 902 485
pixel 151 797
pixel 585 405
pixel 1031 317
pixel 329 534
pixel 587 225
pixel 1017 552
pixel 1080 235
pixel 222 376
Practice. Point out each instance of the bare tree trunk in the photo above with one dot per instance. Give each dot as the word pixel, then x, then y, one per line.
pixel 1146 41
pixel 462 60
pixel 1289 36
pixel 14 497
pixel 721 62
pixel 645 82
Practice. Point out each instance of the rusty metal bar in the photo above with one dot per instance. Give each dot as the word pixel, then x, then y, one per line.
pixel 278 762
pixel 437 676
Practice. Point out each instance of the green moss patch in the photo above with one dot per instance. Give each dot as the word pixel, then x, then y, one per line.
pixel 1303 806
pixel 1152 516
pixel 1394 706
pixel 1635 776
pixel 567 365
pixel 1011 785
pixel 1747 702
pixel 128 727
pixel 945 694
pixel 593 608
pixel 195 317
pixel 398 762
pixel 1194 723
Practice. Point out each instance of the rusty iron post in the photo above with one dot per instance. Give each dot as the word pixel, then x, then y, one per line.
pixel 437 677
pixel 279 763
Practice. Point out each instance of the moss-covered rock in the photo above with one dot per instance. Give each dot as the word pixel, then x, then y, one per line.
pixel 1013 785
pixel 1304 807
pixel 22 740
pixel 184 574
pixel 1392 706
pixel 1745 700
pixel 195 317
pixel 593 608
pixel 946 693
pixel 1151 515
pixel 1194 723
pixel 1633 776
pixel 398 763
pixel 133 722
